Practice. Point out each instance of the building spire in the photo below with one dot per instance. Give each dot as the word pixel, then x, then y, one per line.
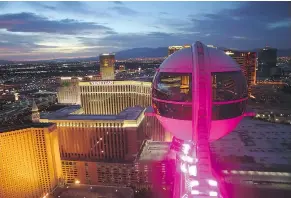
pixel 34 106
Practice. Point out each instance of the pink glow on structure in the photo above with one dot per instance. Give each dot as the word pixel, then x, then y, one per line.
pixel 194 165
pixel 230 101
pixel 218 129
pixel 249 114
pixel 172 102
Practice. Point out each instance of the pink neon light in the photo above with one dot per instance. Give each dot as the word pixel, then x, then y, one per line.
pixel 194 183
pixel 230 102
pixel 193 170
pixel 182 129
pixel 249 114
pixel 190 103
pixel 195 192
pixel 213 194
pixel 172 102
pixel 212 182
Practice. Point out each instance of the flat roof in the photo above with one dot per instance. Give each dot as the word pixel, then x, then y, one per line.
pixel 24 126
pixel 114 82
pixel 149 109
pixel 130 113
pixel 154 151
pixel 60 113
pixel 253 145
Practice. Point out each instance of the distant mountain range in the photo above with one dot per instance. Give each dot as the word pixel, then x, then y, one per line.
pixel 5 62
pixel 142 53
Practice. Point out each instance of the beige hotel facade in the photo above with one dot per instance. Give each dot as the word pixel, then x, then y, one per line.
pixel 111 97
pixel 30 165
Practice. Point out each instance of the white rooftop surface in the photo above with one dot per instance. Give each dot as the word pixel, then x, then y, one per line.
pixel 267 143
pixel 154 151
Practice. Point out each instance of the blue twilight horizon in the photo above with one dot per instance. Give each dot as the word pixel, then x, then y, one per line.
pixel 49 30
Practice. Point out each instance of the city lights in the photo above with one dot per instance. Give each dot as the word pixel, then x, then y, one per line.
pixel 77 181
pixel 229 53
pixel 184 168
pixel 186 148
pixel 46 195
pixel 187 158
pixel 149 119
pixel 212 182
pixel 213 194
pixel 194 183
pixel 195 192
pixel 193 170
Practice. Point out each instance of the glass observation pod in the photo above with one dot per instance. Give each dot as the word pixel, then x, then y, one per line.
pixel 172 93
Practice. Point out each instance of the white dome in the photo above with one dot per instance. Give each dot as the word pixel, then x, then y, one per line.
pixel 181 61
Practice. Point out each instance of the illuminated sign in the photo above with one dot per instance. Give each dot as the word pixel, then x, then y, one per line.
pixel 102 83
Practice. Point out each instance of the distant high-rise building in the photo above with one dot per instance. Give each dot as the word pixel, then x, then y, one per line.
pixel 69 90
pixel 111 97
pixel 30 160
pixel 247 62
pixel 267 59
pixel 34 112
pixel 107 66
pixel 172 49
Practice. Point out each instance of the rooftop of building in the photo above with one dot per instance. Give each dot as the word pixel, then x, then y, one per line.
pixel 253 145
pixel 153 151
pixel 149 109
pixel 130 113
pixel 145 81
pixel 60 113
pixel 24 126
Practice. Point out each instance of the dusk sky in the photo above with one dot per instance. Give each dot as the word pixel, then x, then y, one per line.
pixel 48 30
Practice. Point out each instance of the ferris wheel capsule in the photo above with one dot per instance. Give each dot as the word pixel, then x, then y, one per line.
pixel 173 91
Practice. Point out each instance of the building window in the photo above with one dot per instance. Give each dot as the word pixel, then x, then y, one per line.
pixel 173 87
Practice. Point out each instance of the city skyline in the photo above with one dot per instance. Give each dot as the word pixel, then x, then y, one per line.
pixel 51 30
pixel 85 131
